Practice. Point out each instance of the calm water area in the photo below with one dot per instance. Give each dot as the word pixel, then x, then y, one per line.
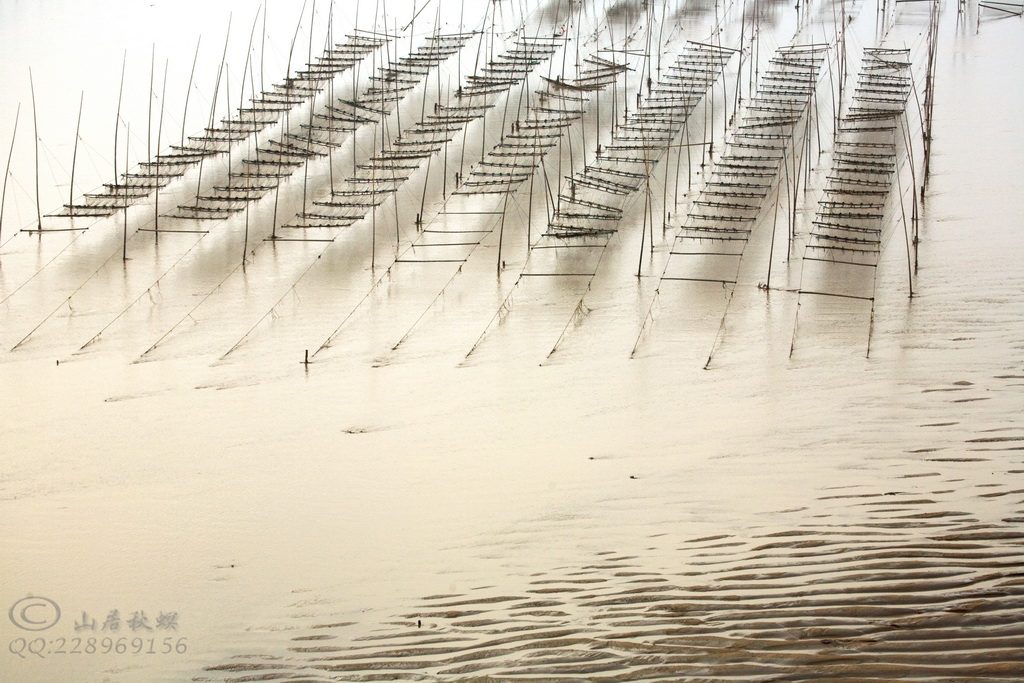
pixel 340 456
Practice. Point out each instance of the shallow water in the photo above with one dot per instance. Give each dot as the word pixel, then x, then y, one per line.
pixel 494 476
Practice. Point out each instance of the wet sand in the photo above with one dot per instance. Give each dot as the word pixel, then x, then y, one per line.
pixel 553 470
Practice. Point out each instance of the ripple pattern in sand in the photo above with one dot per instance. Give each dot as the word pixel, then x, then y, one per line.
pixel 878 585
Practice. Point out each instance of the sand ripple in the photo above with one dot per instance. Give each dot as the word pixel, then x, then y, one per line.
pixel 882 585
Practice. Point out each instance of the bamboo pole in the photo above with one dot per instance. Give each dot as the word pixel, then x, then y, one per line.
pixel 7 170
pixel 213 112
pixel 74 153
pixel 127 146
pixel 263 45
pixel 287 126
pixel 149 111
pixel 188 91
pixel 35 125
pixel 117 123
pixel 159 132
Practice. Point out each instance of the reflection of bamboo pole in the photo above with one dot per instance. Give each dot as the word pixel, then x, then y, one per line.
pixel 7 171
pixel 871 321
pixel 796 322
pixel 643 237
pixel 790 210
pixel 547 192
pixel 903 212
pixel 771 249
pixel 664 198
pixel 647 200
pixel 501 232
pixel 908 142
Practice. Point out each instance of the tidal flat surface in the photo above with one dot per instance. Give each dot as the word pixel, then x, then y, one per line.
pixel 511 455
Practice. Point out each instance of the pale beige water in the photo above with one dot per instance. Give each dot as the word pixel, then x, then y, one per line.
pixel 817 513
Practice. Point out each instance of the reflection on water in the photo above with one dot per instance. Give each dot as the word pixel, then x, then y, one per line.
pixel 555 463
